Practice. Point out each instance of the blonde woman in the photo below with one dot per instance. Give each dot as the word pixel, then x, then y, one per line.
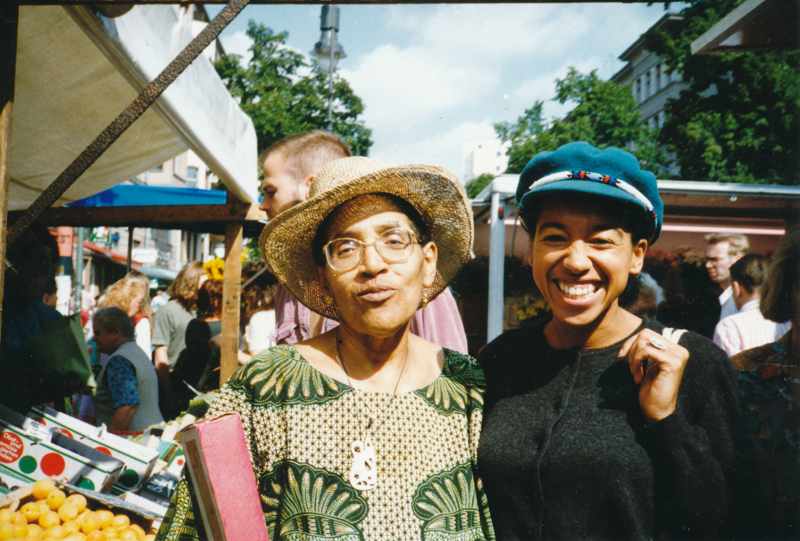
pixel 128 294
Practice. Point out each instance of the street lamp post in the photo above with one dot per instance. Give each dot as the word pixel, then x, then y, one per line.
pixel 328 51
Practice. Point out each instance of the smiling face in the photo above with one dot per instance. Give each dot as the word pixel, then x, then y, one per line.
pixel 581 259
pixel 377 297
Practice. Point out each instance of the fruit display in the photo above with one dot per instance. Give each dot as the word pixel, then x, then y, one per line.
pixel 50 513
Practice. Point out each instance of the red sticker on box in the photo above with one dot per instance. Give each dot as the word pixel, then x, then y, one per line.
pixel 65 432
pixel 103 450
pixel 53 464
pixel 11 447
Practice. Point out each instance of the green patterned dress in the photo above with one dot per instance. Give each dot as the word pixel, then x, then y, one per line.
pixel 299 424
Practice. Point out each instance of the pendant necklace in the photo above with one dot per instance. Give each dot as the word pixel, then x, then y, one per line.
pixel 363 470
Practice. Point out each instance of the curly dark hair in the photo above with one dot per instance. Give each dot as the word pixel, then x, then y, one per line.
pixel 259 295
pixel 209 298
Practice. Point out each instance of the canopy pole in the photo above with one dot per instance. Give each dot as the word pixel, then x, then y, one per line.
pixel 130 250
pixel 79 272
pixel 231 295
pixel 497 252
pixel 9 19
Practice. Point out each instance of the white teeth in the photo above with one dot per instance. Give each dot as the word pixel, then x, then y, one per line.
pixel 577 292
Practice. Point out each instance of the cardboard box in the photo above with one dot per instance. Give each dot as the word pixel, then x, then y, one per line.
pixel 32 453
pixel 139 460
pixel 219 468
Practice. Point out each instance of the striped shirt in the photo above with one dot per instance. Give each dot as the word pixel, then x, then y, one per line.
pixel 747 329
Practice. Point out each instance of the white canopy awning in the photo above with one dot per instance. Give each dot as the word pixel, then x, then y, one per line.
pixel 76 71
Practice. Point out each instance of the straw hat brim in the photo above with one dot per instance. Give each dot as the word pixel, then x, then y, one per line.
pixel 286 241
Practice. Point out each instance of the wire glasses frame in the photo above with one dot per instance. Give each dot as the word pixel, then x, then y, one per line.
pixel 394 246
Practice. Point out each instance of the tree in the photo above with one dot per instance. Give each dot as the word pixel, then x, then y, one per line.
pixel 477 184
pixel 605 115
pixel 281 100
pixel 739 119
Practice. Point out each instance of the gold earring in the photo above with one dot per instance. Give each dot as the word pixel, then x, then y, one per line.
pixel 424 299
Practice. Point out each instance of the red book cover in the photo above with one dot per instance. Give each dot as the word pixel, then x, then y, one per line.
pixel 219 466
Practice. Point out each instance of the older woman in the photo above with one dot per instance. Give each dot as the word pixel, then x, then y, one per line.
pixel 127 388
pixel 367 431
pixel 769 382
pixel 599 424
pixel 129 294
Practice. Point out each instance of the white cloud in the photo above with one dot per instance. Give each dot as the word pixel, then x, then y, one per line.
pixel 238 43
pixel 461 68
pixel 442 148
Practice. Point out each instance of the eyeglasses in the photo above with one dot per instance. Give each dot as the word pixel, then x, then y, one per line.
pixel 394 246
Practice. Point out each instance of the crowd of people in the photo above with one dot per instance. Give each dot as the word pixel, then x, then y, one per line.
pixel 646 405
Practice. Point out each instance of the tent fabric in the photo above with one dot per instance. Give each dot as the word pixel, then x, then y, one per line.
pixel 76 71
pixel 126 195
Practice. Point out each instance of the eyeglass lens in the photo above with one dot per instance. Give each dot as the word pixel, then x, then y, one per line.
pixel 394 245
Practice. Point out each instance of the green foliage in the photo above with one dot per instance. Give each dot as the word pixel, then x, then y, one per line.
pixel 738 121
pixel 477 184
pixel 605 115
pixel 281 101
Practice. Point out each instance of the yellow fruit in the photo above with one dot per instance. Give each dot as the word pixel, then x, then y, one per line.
pixel 20 530
pixel 31 511
pixel 6 530
pixel 6 515
pixel 149 537
pixel 71 526
pixel 97 536
pixel 42 488
pixel 79 501
pixel 129 534
pixel 35 530
pixel 111 533
pixel 48 519
pixel 56 532
pixel 106 517
pixel 68 511
pixel 90 522
pixel 139 530
pixel 56 499
pixel 32 538
pixel 121 522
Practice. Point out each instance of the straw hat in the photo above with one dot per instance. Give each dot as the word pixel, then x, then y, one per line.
pixel 286 242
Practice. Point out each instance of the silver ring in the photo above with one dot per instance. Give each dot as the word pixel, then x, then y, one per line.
pixel 658 345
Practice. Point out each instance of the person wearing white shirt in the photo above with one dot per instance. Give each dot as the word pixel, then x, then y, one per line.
pixel 723 250
pixel 748 328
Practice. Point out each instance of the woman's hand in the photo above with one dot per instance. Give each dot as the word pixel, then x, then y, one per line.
pixel 657 365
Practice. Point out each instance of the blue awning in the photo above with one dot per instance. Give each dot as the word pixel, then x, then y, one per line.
pixel 126 195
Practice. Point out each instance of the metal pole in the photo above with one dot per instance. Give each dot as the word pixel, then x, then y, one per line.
pixel 330 84
pixel 497 251
pixel 9 18
pixel 79 272
pixel 130 249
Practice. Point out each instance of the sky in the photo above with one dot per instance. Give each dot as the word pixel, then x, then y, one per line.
pixel 434 77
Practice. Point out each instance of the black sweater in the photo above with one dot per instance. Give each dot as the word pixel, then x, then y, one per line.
pixel 566 453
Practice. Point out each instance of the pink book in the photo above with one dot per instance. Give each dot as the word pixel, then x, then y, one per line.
pixel 219 466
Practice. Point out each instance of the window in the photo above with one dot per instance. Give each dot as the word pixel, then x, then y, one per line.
pixel 646 85
pixel 191 173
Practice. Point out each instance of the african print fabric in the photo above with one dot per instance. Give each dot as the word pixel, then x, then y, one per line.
pixel 300 425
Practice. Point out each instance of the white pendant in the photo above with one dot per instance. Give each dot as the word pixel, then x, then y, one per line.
pixel 363 474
